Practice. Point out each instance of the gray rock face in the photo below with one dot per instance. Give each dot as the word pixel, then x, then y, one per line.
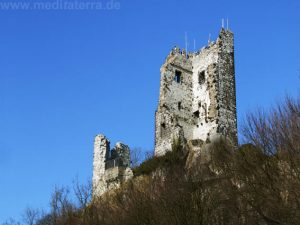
pixel 197 95
pixel 110 167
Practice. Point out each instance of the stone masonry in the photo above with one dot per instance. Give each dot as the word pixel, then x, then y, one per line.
pixel 111 167
pixel 197 102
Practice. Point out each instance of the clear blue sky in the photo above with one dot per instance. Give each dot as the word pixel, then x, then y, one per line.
pixel 67 75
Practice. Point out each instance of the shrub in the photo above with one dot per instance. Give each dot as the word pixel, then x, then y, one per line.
pixel 175 157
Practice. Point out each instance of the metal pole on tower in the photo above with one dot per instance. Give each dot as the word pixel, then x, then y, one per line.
pixel 227 24
pixel 186 44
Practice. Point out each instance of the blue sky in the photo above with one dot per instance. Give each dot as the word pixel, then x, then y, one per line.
pixel 67 75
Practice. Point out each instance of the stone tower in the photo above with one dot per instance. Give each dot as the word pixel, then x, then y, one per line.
pixel 197 100
pixel 111 167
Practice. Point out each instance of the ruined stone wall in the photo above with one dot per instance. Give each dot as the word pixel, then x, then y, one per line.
pixel 197 104
pixel 115 176
pixel 202 106
pixel 205 92
pixel 227 91
pixel 101 153
pixel 173 116
pixel 110 167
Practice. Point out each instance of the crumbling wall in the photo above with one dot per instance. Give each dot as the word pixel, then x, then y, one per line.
pixel 101 153
pixel 227 91
pixel 173 115
pixel 111 167
pixel 202 106
pixel 197 104
pixel 115 176
pixel 205 92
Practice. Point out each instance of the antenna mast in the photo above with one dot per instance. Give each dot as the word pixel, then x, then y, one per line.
pixel 209 36
pixel 227 24
pixel 186 44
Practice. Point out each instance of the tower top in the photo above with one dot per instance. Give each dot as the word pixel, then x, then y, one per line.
pixel 197 95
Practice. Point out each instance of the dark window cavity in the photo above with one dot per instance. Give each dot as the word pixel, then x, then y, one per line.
pixel 201 77
pixel 179 106
pixel 163 130
pixel 177 77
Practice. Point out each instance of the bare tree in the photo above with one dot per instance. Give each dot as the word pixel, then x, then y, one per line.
pixel 31 216
pixel 273 176
pixel 138 155
pixel 83 192
pixel 61 205
pixel 276 131
pixel 148 154
pixel 11 221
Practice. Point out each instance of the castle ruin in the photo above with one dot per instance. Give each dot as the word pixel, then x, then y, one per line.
pixel 197 104
pixel 111 167
pixel 197 101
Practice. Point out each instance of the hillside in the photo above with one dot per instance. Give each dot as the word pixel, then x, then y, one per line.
pixel 256 183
